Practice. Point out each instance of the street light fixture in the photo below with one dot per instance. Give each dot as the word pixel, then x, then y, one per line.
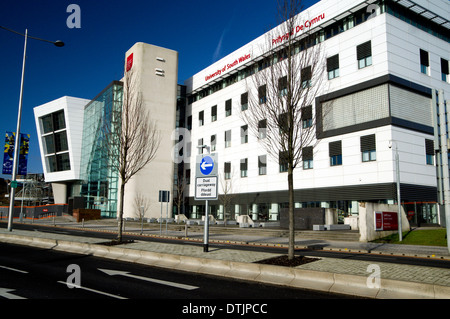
pixel 57 43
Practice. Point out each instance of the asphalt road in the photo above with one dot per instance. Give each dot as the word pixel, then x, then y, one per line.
pixel 35 273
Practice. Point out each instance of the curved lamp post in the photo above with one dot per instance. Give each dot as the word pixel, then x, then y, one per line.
pixel 57 43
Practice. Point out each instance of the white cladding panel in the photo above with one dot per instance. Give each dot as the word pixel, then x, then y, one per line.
pixel 73 114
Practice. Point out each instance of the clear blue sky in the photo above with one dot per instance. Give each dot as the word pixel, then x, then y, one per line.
pixel 201 31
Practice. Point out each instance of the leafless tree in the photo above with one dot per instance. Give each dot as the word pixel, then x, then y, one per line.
pixel 178 197
pixel 131 139
pixel 281 94
pixel 142 204
pixel 227 192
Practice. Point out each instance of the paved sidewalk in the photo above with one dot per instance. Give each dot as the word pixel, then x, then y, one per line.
pixel 431 278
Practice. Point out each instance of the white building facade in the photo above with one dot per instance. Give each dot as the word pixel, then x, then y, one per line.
pixel 60 125
pixel 383 60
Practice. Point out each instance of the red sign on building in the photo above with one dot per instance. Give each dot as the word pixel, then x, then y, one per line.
pixel 386 221
pixel 129 62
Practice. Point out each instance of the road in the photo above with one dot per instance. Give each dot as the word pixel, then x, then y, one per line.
pixel 35 273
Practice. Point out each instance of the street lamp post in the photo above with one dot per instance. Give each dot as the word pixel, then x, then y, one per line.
pixel 17 137
pixel 399 201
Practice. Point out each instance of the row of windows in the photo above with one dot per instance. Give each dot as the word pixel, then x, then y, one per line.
pixel 364 53
pixel 367 147
pixel 364 56
pixel 425 66
pixel 262 131
pixel 333 30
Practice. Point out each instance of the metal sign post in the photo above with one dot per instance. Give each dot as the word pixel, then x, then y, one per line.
pixel 163 198
pixel 206 184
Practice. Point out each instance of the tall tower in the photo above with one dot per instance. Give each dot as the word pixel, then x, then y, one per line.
pixel 155 71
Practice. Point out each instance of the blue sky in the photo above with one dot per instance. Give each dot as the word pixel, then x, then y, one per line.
pixel 201 31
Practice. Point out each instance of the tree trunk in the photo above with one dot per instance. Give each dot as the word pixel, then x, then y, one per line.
pixel 291 214
pixel 120 217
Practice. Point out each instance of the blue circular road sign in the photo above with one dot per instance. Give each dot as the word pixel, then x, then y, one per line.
pixel 206 165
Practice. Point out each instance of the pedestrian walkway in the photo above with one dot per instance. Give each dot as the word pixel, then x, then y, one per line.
pixel 409 281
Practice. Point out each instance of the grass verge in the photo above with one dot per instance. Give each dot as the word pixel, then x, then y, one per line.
pixel 425 237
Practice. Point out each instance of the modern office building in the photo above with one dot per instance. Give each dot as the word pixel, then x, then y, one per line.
pixel 80 166
pixel 384 61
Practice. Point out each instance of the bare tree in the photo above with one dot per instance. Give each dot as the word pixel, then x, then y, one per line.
pixel 131 139
pixel 226 185
pixel 178 198
pixel 142 204
pixel 281 94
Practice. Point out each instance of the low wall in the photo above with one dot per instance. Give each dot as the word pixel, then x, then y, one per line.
pixel 87 214
pixel 367 221
pixel 34 211
pixel 304 218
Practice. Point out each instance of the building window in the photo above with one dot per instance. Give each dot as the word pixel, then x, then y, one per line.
pixel 227 170
pixel 213 143
pixel 283 160
pixel 244 134
pixel 61 142
pixel 333 67
pixel 368 148
pixel 214 113
pixel 262 165
pixel 282 86
pixel 262 94
pixel 188 177
pixel 201 118
pixel 58 162
pixel 335 152
pixel 200 143
pixel 244 167
pixel 306 75
pixel 244 101
pixel 364 54
pixel 424 62
pixel 429 150
pixel 307 116
pixel 189 122
pixel 308 157
pixel 445 70
pixel 283 123
pixel 53 122
pixel 262 129
pixel 227 138
pixel 47 124
pixel 49 144
pixel 228 108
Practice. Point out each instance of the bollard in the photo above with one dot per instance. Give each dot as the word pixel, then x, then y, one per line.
pixel 185 230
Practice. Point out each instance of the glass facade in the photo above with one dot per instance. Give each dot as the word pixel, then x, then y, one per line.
pixel 99 179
